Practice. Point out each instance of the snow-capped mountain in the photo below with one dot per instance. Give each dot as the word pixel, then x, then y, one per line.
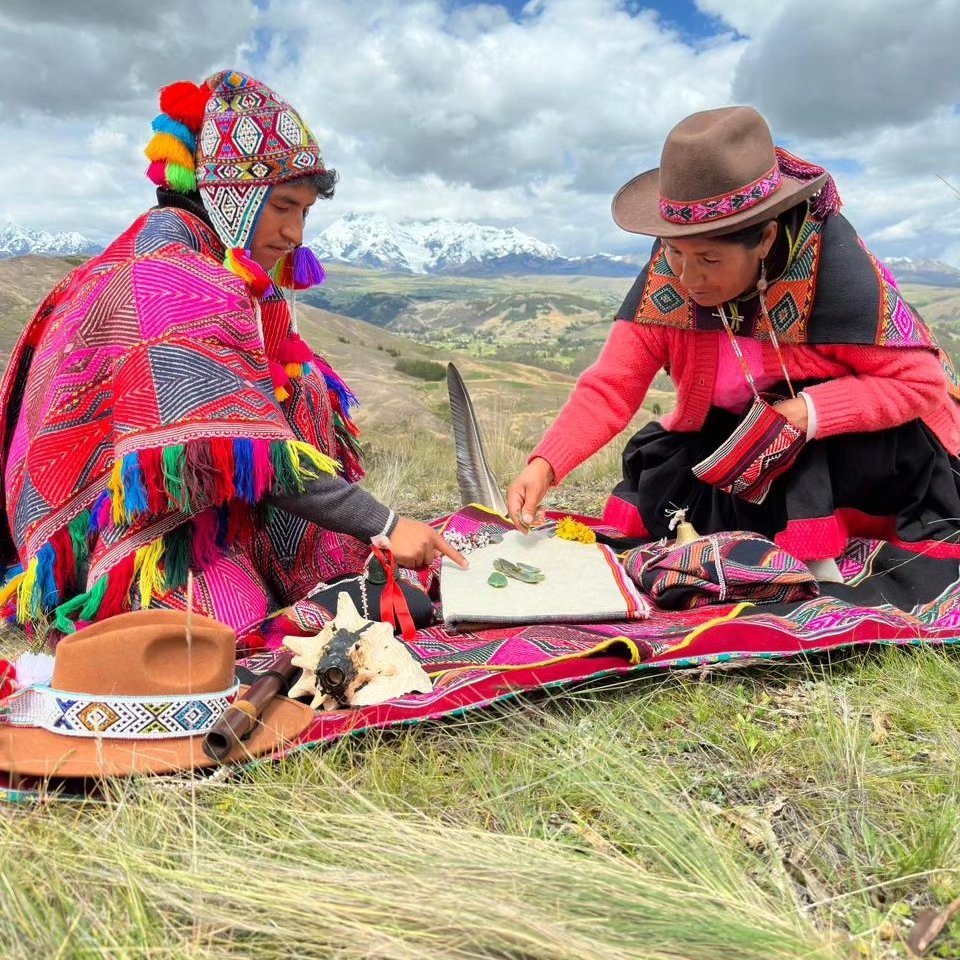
pixel 422 246
pixel 933 272
pixel 450 247
pixel 16 241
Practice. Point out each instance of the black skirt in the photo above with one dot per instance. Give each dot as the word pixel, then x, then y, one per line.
pixel 898 484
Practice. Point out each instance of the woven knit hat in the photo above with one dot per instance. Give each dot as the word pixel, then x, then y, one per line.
pixel 134 694
pixel 232 138
pixel 720 172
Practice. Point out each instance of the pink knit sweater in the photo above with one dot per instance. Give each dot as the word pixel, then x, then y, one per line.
pixel 865 388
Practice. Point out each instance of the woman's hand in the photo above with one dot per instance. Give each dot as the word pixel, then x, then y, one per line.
pixel 415 544
pixel 794 410
pixel 526 493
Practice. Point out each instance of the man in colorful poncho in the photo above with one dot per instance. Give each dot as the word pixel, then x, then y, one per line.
pixel 160 412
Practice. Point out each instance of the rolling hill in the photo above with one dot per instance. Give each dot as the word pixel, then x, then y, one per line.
pixel 513 399
pixel 485 326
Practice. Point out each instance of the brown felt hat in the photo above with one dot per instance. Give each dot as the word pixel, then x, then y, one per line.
pixel 142 665
pixel 719 172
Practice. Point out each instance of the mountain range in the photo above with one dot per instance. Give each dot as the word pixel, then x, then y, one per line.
pixel 934 273
pixel 16 241
pixel 453 248
pixel 442 248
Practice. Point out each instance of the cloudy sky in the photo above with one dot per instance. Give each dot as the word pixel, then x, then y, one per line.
pixel 515 114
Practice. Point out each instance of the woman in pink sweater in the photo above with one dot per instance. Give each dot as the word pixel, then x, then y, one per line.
pixel 757 285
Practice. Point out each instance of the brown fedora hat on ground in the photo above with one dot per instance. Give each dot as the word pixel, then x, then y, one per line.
pixel 132 694
pixel 719 172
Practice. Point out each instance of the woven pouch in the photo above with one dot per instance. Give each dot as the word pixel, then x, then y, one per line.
pixel 764 445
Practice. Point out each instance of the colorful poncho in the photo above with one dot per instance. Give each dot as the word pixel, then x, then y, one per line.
pixel 825 287
pixel 141 433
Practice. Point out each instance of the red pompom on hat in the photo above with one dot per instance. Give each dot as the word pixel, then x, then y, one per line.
pixel 185 102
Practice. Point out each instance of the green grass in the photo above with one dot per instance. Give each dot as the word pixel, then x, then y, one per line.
pixel 805 809
pixel 793 810
pixel 782 812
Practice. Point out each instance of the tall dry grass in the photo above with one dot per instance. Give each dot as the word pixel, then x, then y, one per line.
pixel 803 810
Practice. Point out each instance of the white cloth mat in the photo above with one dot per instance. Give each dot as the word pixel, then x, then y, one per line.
pixel 584 583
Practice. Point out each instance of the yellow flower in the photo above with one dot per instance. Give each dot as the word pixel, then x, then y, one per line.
pixel 570 529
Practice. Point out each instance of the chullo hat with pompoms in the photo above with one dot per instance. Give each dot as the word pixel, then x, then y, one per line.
pixel 232 139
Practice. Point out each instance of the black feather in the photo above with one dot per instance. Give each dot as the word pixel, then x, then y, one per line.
pixel 474 476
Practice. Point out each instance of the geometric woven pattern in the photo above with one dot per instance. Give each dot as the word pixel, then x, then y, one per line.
pixel 249 141
pixel 473 670
pixel 716 208
pixel 872 312
pixel 250 135
pixel 234 210
pixel 900 325
pixel 154 348
pixel 789 300
pixel 119 717
pixel 718 568
pixel 763 446
pixel 784 315
pixel 667 298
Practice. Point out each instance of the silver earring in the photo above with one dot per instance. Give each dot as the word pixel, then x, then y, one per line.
pixel 762 282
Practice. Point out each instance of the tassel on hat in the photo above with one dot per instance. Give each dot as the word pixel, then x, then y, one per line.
pixel 239 261
pixel 827 199
pixel 172 148
pixel 299 270
pixel 173 166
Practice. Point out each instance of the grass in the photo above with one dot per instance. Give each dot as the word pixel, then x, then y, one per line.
pixel 784 812
pixel 796 810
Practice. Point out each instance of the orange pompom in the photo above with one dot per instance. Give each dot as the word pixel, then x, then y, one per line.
pixel 185 102
pixel 165 146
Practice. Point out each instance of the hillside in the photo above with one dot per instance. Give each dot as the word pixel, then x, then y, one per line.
pixel 514 401
pixel 484 325
pixel 556 322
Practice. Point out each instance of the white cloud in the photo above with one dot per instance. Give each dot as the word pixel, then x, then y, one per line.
pixel 567 104
pixel 827 68
pixel 69 59
pixel 747 17
pixel 468 113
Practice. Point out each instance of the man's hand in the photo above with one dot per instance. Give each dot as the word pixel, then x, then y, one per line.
pixel 526 493
pixel 416 544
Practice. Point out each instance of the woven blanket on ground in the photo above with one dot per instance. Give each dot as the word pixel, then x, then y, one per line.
pixel 890 596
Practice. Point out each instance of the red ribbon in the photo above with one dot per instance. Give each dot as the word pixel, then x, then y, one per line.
pixel 393 604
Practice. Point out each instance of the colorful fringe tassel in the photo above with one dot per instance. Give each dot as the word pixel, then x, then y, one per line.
pixel 345 397
pixel 54 570
pixel 239 261
pixel 827 200
pixel 299 270
pixel 239 472
pixel 294 359
pixel 208 473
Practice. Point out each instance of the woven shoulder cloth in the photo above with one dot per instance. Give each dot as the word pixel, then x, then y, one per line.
pixel 723 567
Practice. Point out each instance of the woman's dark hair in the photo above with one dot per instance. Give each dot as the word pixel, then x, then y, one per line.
pixel 748 237
pixel 323 183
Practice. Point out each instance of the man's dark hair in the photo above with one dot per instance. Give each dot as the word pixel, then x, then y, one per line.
pixel 323 183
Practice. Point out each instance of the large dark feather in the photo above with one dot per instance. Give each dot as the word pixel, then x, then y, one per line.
pixel 474 476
